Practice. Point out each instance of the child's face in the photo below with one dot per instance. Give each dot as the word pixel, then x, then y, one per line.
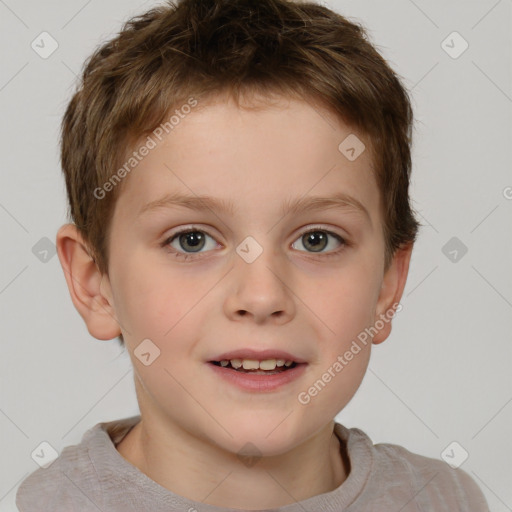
pixel 310 304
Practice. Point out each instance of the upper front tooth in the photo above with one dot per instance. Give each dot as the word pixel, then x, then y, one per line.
pixel 268 364
pixel 250 364
pixel 236 363
pixel 280 362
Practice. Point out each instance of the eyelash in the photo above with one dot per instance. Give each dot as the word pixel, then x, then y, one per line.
pixel 192 229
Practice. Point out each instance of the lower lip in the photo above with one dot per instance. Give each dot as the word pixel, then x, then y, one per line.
pixel 258 382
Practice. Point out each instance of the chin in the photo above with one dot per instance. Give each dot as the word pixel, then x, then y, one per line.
pixel 267 437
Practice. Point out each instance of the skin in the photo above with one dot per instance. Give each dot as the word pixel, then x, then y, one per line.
pixel 290 298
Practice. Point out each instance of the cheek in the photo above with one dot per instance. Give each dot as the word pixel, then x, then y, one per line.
pixel 155 309
pixel 147 302
pixel 332 383
pixel 344 302
pixel 163 304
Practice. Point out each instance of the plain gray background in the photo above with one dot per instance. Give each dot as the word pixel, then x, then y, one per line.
pixel 442 376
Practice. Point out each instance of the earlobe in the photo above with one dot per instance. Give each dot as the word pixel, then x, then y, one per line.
pixel 88 288
pixel 391 292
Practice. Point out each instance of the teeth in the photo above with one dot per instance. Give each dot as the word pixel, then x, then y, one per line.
pixel 268 364
pixel 253 364
pixel 250 364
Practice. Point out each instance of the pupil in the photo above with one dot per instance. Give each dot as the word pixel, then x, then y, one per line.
pixel 314 239
pixel 194 239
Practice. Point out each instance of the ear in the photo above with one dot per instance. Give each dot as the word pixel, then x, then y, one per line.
pixel 89 289
pixel 392 288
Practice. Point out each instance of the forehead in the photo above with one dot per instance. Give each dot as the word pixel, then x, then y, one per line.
pixel 253 159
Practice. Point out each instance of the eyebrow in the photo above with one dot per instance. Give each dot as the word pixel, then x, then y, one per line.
pixel 341 201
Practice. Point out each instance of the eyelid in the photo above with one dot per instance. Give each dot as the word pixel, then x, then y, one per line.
pixel 188 228
pixel 320 227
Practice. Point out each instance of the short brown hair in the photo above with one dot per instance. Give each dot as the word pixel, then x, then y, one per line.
pixel 200 48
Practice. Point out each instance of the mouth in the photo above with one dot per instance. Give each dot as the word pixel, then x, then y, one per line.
pixel 257 367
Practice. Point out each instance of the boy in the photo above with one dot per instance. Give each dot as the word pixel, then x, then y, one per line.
pixel 273 139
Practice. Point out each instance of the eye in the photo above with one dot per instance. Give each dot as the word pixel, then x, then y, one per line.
pixel 189 240
pixel 316 240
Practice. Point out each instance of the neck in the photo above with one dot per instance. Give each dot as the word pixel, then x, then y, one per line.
pixel 174 458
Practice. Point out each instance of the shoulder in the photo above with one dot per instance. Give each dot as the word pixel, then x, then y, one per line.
pixel 433 478
pixel 397 476
pixel 68 483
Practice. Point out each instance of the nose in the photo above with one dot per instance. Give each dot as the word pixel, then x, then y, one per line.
pixel 259 291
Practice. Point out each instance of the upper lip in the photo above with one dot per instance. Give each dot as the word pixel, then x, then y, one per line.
pixel 259 355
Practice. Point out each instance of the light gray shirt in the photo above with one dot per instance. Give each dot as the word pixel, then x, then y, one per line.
pixel 92 476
